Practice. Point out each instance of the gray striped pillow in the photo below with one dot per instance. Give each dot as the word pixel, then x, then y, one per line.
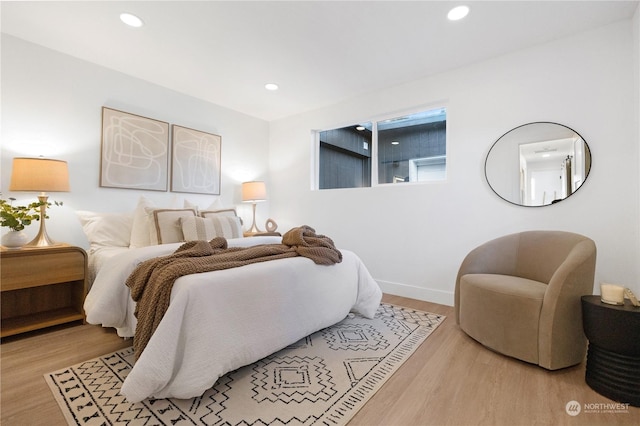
pixel 205 228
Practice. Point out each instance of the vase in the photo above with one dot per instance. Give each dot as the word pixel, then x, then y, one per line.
pixel 15 239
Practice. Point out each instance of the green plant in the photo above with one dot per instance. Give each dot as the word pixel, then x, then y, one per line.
pixel 17 217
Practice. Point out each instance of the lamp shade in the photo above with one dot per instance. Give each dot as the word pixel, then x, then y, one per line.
pixel 39 175
pixel 254 191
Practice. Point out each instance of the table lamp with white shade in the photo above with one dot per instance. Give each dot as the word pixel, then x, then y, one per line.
pixel 253 192
pixel 40 175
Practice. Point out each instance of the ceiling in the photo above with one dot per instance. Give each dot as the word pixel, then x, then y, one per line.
pixel 318 52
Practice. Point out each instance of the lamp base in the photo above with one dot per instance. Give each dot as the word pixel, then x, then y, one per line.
pixel 254 228
pixel 42 239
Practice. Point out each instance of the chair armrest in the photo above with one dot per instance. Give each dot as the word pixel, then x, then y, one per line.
pixel 561 316
pixel 574 277
pixel 497 256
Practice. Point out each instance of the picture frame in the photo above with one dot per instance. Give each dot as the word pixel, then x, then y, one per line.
pixel 195 161
pixel 134 152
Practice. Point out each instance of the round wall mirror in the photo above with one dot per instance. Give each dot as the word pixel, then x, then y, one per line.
pixel 538 164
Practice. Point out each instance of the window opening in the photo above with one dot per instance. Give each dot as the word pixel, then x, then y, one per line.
pixel 345 157
pixel 413 148
pixel 408 148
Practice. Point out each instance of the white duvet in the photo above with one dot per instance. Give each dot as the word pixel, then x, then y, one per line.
pixel 222 320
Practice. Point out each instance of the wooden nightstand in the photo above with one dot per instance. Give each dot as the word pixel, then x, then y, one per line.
pixel 613 359
pixel 41 287
pixel 262 234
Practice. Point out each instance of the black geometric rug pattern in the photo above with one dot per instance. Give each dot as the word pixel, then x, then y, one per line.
pixel 323 379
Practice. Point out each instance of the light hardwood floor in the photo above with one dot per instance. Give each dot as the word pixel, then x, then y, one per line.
pixel 449 380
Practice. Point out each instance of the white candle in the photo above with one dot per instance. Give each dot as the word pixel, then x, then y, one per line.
pixel 612 294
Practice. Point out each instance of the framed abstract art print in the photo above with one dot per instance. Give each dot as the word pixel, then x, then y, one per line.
pixel 134 151
pixel 195 161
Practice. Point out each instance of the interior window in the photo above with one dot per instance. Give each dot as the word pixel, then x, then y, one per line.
pixel 345 157
pixel 409 148
pixel 413 148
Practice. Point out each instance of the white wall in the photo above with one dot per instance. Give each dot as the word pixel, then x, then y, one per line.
pixel 636 115
pixel 414 236
pixel 52 104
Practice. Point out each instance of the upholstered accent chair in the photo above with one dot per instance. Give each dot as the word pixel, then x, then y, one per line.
pixel 519 295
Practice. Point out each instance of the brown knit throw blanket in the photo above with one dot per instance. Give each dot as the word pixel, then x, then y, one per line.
pixel 151 282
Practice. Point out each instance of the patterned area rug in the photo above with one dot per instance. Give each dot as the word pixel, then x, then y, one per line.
pixel 323 379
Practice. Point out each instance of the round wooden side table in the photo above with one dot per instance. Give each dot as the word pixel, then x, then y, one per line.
pixel 613 358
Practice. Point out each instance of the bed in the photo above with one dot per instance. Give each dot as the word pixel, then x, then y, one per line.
pixel 219 321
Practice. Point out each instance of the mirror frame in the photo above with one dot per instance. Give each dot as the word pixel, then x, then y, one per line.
pixel 504 138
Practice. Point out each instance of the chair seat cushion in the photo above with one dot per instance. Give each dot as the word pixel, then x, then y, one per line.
pixel 502 312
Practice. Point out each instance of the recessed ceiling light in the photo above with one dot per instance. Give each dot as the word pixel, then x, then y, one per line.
pixel 131 20
pixel 271 86
pixel 458 13
pixel 395 143
pixel 360 128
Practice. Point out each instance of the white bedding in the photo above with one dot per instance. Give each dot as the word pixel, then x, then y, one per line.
pixel 97 258
pixel 219 321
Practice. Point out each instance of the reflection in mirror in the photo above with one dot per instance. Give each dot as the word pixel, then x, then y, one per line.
pixel 538 164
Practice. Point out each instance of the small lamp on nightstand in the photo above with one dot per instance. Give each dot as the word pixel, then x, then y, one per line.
pixel 253 192
pixel 40 175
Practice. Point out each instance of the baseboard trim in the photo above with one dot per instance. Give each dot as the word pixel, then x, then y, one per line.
pixel 420 293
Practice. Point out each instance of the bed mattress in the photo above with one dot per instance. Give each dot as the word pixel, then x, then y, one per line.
pixel 222 320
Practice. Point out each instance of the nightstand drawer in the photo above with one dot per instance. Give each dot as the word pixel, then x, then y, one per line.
pixel 34 269
pixel 41 287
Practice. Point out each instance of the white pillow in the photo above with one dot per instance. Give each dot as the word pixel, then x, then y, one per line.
pixel 216 205
pixel 221 212
pixel 189 205
pixel 165 225
pixel 206 228
pixel 106 229
pixel 140 227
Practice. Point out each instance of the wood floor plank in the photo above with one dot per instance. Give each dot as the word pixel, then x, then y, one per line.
pixel 449 380
pixel 453 380
pixel 25 396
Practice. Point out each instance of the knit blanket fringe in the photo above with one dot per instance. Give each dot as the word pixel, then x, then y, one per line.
pixel 151 282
